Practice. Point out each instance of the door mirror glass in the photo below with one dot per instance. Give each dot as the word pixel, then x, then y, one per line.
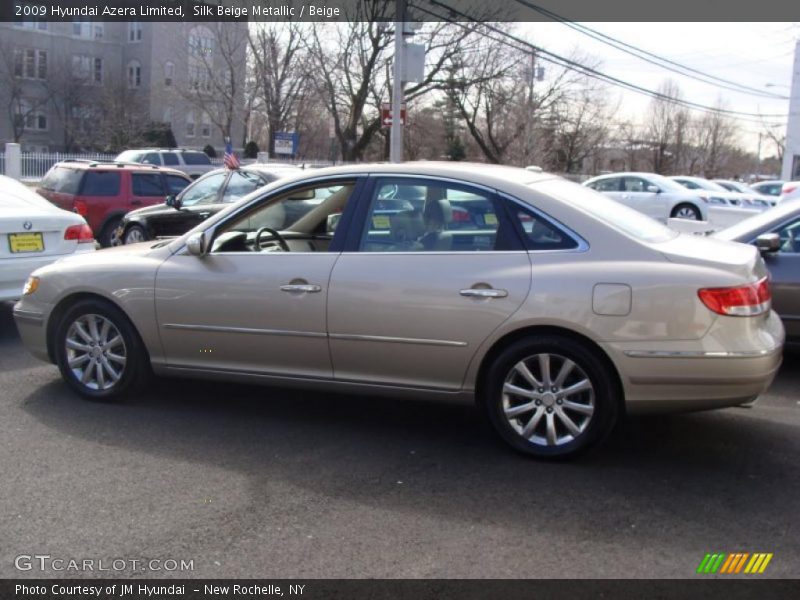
pixel 332 222
pixel 653 189
pixel 173 201
pixel 196 244
pixel 768 243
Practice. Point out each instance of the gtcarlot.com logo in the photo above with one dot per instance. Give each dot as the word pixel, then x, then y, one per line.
pixel 735 563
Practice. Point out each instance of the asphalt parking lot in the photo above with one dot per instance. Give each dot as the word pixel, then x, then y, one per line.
pixel 260 482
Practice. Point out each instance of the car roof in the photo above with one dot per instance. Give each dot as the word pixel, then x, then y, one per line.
pixel 106 165
pixel 478 173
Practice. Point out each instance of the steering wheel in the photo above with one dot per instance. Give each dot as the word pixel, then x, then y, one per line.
pixel 281 242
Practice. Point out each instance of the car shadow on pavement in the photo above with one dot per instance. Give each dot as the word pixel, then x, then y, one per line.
pixel 695 474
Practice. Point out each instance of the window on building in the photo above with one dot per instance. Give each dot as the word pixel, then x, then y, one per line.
pixel 169 73
pixel 85 28
pixel 168 116
pixel 201 44
pixel 205 126
pixel 30 116
pixel 98 70
pixel 199 78
pixel 135 31
pixel 33 16
pixel 30 63
pixel 134 74
pixel 190 124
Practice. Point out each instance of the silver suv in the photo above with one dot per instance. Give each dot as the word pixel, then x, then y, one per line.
pixel 192 162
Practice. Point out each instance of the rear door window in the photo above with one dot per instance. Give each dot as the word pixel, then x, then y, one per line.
pixel 101 183
pixel 147 184
pixel 170 158
pixel 196 158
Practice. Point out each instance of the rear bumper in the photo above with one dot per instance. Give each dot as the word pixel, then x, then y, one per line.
pixel 677 377
pixel 14 272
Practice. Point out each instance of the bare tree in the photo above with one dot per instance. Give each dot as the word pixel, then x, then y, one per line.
pixel 76 104
pixel 23 94
pixel 666 130
pixel 121 118
pixel 715 137
pixel 280 73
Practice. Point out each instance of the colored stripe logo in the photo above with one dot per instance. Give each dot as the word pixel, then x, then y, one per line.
pixel 735 563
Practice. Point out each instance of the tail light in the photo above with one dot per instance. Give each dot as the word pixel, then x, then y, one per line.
pixel 788 188
pixel 80 208
pixel 743 301
pixel 82 233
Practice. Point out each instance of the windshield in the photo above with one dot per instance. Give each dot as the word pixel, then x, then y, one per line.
pixel 603 208
pixel 701 184
pixel 744 230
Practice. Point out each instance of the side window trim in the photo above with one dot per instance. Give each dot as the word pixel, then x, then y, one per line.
pixel 583 245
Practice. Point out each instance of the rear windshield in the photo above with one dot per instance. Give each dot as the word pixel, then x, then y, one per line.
pixel 62 180
pixel 603 208
pixel 196 158
pixel 100 183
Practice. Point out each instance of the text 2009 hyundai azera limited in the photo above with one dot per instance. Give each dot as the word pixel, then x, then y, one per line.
pixel 554 306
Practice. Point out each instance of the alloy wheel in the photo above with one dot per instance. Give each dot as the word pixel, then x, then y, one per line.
pixel 548 399
pixel 134 235
pixel 95 352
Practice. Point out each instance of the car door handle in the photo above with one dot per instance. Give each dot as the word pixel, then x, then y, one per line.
pixel 308 288
pixel 484 293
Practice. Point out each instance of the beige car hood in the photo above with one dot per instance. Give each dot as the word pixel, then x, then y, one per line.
pixel 742 260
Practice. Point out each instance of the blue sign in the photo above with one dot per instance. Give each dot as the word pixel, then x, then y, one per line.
pixel 286 143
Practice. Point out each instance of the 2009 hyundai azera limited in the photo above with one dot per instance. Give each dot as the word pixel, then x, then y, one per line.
pixel 554 306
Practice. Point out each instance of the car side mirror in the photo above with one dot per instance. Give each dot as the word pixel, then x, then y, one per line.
pixel 332 222
pixel 173 201
pixel 768 243
pixel 197 244
pixel 653 189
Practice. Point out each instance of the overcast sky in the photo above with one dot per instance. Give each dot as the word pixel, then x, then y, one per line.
pixel 753 54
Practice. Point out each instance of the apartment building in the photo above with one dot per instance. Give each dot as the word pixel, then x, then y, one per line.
pixel 56 78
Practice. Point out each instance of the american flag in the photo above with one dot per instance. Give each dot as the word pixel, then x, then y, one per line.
pixel 230 160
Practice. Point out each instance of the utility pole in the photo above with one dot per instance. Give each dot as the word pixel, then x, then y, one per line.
pixel 396 140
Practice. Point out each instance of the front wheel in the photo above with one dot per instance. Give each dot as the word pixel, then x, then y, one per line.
pixel 98 351
pixel 686 211
pixel 550 397
pixel 134 234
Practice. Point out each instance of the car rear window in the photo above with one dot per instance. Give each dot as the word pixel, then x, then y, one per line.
pixel 100 183
pixel 147 184
pixel 62 180
pixel 196 158
pixel 604 209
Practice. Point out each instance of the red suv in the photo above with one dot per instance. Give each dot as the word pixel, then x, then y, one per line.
pixel 102 192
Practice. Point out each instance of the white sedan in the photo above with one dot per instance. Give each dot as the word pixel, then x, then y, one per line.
pixel 34 233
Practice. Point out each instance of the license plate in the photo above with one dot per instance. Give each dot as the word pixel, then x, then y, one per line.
pixel 25 242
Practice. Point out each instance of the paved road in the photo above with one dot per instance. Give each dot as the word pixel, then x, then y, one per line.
pixel 259 482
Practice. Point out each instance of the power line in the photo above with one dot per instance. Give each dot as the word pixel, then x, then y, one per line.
pixel 556 59
pixel 652 58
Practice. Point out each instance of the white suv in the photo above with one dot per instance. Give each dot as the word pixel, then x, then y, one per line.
pixel 192 162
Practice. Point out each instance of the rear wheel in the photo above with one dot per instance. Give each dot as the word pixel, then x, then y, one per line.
pixel 98 351
pixel 550 397
pixel 134 235
pixel 686 211
pixel 107 233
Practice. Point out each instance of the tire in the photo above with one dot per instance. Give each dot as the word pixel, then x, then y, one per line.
pixel 686 211
pixel 134 234
pixel 101 362
pixel 108 231
pixel 549 424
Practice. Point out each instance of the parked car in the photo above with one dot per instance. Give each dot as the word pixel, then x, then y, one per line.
pixel 34 233
pixel 756 197
pixel 651 194
pixel 191 162
pixel 768 188
pixel 777 233
pixel 558 313
pixel 790 191
pixel 204 197
pixel 103 192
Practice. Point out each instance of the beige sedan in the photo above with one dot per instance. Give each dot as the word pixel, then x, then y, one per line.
pixel 555 307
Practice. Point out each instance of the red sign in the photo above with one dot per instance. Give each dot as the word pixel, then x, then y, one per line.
pixel 386 114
